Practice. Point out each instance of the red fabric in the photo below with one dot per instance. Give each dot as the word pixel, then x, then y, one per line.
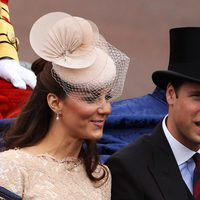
pixel 12 99
pixel 6 19
pixel 4 1
pixel 196 176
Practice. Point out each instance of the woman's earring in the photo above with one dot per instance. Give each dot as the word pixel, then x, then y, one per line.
pixel 57 116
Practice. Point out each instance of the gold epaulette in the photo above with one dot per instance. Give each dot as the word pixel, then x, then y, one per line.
pixel 4 10
pixel 8 42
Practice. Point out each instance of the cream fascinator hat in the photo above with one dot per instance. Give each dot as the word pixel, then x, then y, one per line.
pixel 83 62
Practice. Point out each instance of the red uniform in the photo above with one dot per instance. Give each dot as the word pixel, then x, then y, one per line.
pixel 12 99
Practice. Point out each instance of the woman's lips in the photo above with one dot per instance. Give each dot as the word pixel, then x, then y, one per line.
pixel 98 123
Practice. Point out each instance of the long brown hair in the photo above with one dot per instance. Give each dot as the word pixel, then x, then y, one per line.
pixel 34 121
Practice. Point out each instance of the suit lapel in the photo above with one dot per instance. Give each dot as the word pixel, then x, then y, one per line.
pixel 165 170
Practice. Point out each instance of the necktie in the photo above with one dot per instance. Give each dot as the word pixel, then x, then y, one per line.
pixel 196 177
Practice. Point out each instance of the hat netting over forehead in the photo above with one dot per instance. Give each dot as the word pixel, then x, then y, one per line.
pixel 84 63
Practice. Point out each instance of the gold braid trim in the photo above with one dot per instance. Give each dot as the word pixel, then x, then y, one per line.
pixel 4 10
pixel 8 42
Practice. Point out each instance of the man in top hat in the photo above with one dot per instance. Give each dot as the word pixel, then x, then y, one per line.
pixel 162 165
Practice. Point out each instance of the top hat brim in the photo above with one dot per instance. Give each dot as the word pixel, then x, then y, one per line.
pixel 162 78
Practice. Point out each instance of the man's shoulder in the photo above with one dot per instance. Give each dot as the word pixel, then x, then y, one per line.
pixel 142 147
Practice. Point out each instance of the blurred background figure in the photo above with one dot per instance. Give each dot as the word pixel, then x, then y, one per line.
pixel 16 81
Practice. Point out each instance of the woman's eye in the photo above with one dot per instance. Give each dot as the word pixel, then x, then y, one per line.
pixel 108 97
pixel 95 98
pixel 89 99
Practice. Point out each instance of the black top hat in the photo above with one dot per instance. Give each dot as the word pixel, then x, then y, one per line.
pixel 184 61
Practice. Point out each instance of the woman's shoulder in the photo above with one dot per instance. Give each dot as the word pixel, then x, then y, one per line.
pixel 11 171
pixel 9 155
pixel 14 158
pixel 12 155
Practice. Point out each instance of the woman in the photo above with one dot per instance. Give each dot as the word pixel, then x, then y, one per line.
pixel 52 145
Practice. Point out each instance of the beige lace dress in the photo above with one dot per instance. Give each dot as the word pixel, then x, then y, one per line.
pixel 43 177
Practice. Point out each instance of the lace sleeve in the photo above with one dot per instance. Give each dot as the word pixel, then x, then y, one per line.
pixel 11 175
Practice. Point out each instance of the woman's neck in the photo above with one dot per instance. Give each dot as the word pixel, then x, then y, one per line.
pixel 57 144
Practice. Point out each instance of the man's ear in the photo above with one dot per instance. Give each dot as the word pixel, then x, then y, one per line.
pixel 54 102
pixel 170 94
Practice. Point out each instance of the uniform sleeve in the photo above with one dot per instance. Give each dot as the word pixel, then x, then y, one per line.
pixel 8 42
pixel 11 176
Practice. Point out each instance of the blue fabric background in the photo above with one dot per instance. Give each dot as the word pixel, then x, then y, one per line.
pixel 131 118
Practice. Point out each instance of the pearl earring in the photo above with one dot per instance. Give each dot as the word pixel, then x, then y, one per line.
pixel 57 116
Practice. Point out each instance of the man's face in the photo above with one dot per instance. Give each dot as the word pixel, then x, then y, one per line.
pixel 184 114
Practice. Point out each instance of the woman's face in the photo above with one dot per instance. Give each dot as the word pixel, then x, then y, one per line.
pixel 85 119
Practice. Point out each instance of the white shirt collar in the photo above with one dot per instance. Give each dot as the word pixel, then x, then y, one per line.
pixel 181 152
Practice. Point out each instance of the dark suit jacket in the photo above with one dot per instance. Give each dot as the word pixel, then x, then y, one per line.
pixel 147 170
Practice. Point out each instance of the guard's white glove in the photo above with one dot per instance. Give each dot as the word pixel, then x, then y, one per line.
pixel 19 76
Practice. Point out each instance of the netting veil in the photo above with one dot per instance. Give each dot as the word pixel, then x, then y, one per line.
pixel 84 63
